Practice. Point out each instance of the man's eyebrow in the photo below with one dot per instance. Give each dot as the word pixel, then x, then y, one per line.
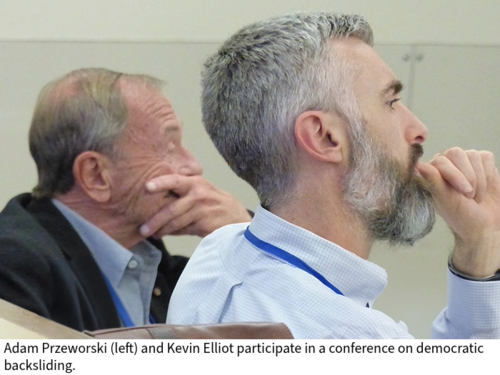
pixel 172 128
pixel 395 87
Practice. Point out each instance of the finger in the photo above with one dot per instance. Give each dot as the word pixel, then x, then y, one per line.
pixel 492 175
pixel 174 182
pixel 461 160
pixel 455 176
pixel 166 218
pixel 195 221
pixel 489 166
pixel 433 177
pixel 183 224
pixel 444 196
pixel 476 162
pixel 189 230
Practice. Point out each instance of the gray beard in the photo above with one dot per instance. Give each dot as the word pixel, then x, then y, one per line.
pixel 394 202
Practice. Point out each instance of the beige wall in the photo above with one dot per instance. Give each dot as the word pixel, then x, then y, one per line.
pixel 395 21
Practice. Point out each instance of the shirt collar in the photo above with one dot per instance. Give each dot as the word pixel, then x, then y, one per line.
pixel 111 257
pixel 357 278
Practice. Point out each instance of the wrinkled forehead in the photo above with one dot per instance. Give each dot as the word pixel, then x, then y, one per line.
pixel 148 109
pixel 134 91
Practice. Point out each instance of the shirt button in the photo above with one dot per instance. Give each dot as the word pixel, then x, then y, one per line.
pixel 157 292
pixel 132 264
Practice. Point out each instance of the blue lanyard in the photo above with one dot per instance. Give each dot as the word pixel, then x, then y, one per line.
pixel 119 305
pixel 289 258
pixel 122 311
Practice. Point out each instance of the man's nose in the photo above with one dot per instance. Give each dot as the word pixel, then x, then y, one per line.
pixel 416 131
pixel 189 166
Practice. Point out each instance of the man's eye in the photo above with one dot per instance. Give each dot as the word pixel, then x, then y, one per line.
pixel 391 103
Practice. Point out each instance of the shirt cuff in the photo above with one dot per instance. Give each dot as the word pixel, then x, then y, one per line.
pixel 474 307
pixel 453 270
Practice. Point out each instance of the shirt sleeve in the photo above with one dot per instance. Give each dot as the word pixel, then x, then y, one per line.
pixel 473 310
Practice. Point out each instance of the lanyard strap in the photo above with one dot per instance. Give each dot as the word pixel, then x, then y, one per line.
pixel 289 258
pixel 122 312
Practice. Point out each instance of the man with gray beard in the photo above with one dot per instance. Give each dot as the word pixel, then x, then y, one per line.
pixel 407 214
pixel 303 109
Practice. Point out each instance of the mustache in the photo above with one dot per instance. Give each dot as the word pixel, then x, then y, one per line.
pixel 416 152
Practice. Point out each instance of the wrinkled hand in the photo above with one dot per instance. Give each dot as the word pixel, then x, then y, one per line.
pixel 199 209
pixel 466 193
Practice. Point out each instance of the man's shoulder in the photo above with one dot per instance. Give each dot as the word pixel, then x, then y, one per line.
pixel 219 244
pixel 29 255
pixel 224 235
pixel 202 286
pixel 20 232
pixel 16 206
pixel 16 221
pixel 31 230
pixel 229 230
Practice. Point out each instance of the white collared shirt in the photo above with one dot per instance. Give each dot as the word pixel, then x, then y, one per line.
pixel 228 279
pixel 131 273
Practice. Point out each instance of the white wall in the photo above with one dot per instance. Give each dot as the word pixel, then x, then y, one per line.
pixel 394 21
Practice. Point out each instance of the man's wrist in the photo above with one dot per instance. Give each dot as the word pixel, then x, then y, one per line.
pixel 453 270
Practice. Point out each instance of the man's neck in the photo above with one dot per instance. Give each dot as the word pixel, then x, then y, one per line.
pixel 104 218
pixel 329 218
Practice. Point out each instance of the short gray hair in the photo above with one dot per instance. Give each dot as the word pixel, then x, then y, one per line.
pixel 81 111
pixel 262 79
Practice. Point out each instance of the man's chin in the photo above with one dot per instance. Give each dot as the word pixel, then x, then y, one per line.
pixel 391 196
pixel 408 215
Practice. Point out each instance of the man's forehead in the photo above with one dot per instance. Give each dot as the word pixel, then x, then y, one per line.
pixel 140 97
pixel 148 106
pixel 371 69
pixel 356 50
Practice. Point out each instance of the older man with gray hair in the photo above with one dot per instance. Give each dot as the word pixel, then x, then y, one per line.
pixel 113 174
pixel 302 108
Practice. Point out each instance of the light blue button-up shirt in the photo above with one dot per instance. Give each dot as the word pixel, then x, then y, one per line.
pixel 228 279
pixel 131 273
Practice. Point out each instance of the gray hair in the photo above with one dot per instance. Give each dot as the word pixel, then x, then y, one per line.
pixel 81 111
pixel 262 79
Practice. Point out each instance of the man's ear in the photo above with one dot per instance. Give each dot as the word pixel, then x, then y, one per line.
pixel 321 135
pixel 92 175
